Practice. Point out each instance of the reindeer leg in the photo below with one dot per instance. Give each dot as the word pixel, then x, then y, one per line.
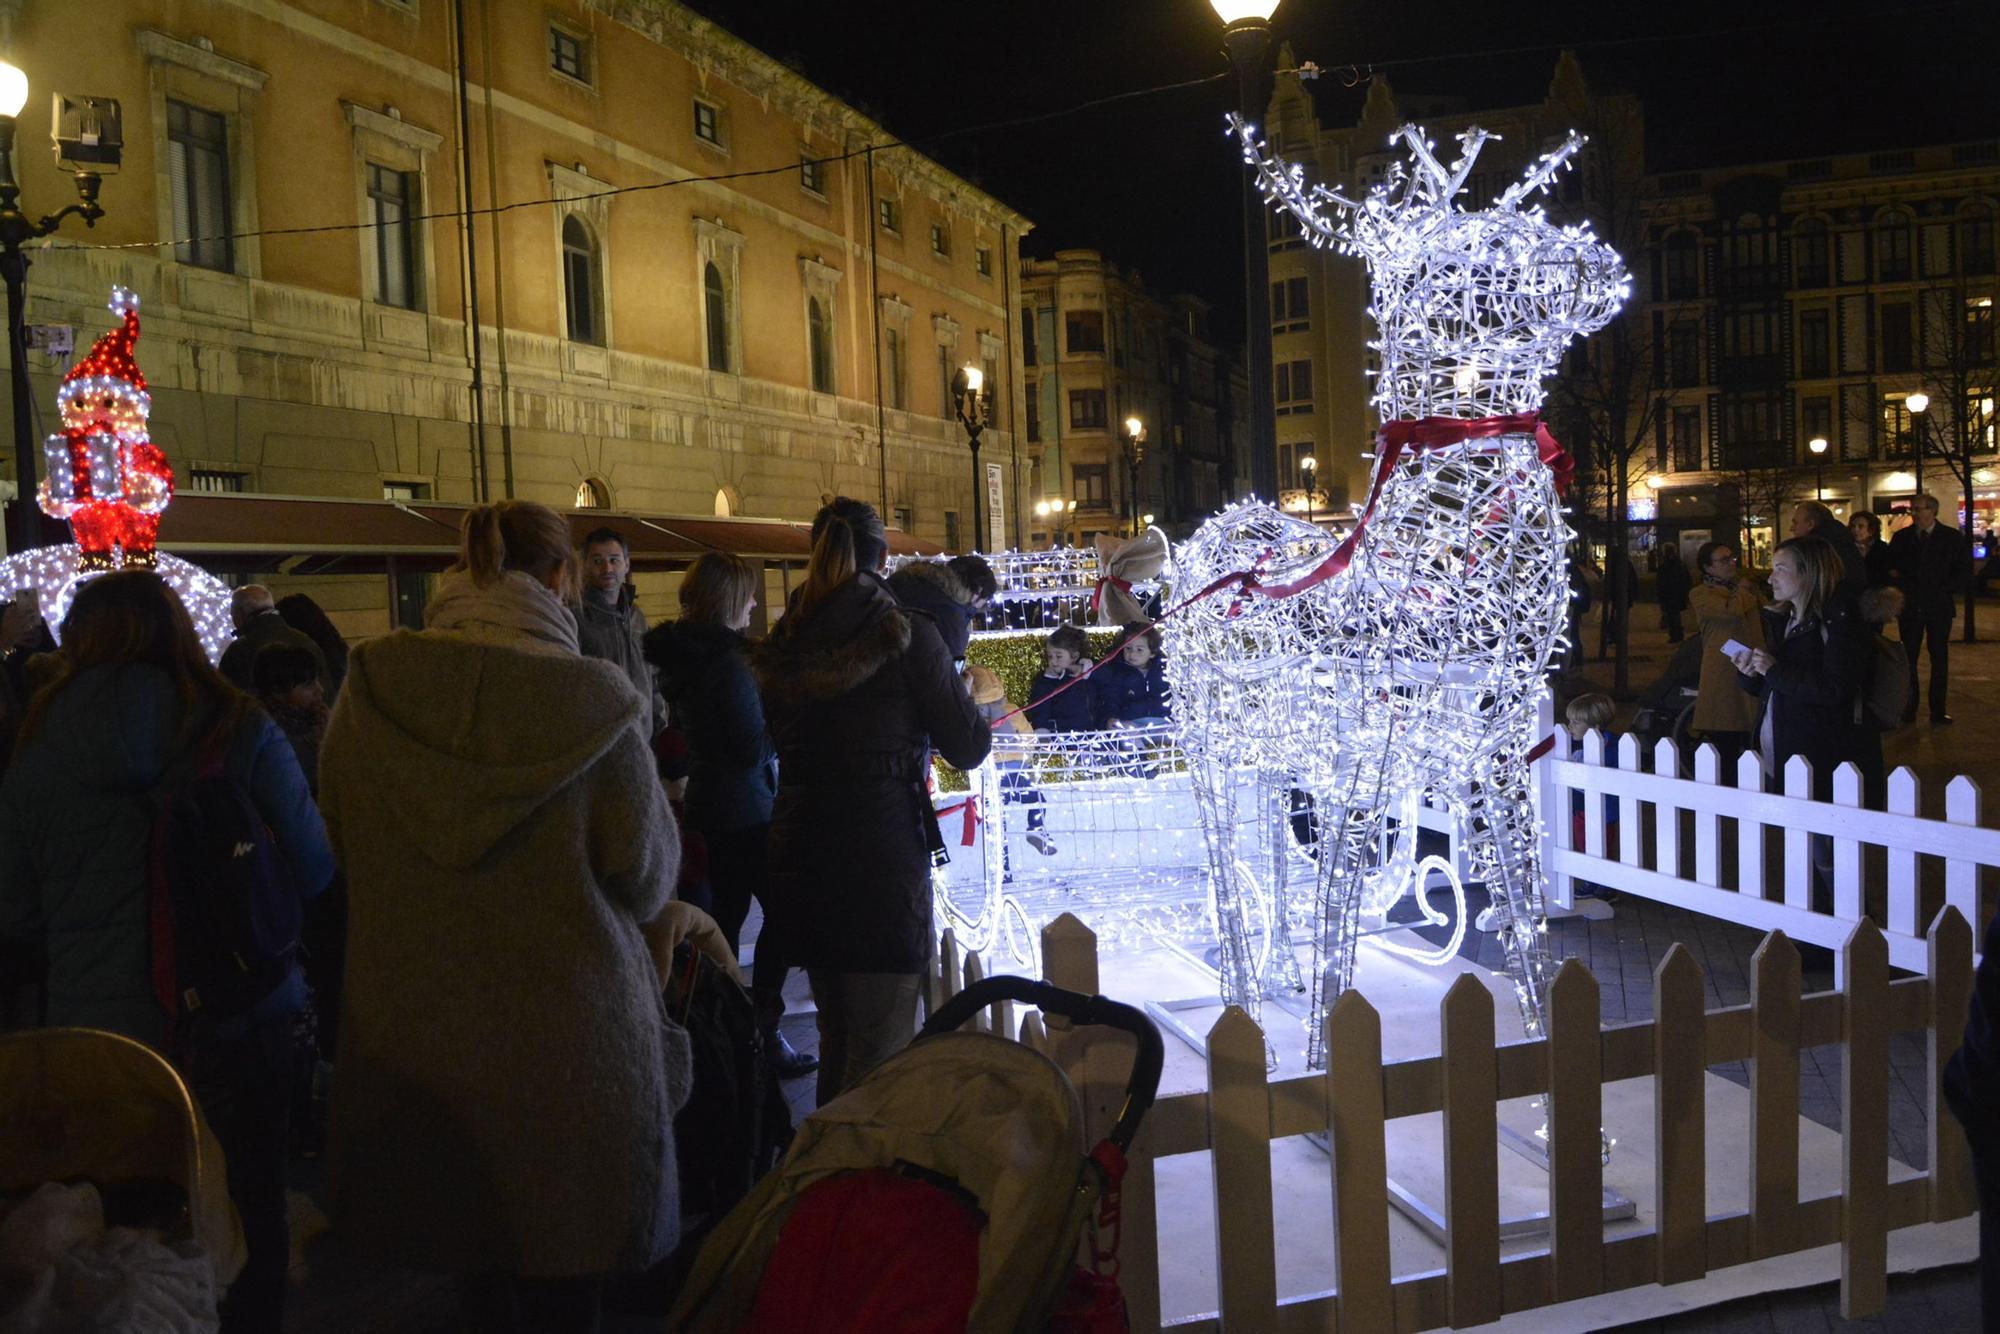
pixel 1215 795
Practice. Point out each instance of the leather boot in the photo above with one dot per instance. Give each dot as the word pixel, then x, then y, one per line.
pixel 786 1061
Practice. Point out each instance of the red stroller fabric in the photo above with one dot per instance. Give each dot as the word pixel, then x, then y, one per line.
pixel 871 1251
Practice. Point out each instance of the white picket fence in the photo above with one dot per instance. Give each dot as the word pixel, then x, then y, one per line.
pixel 1670 843
pixel 1353 1102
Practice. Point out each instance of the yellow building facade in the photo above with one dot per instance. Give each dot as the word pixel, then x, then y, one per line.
pixel 698 290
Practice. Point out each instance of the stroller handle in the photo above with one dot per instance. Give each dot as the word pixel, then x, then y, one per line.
pixel 1143 1085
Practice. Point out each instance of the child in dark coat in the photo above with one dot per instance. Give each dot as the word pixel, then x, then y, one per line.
pixel 1133 690
pixel 1051 708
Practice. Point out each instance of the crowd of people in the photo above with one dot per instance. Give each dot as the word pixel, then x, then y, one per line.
pixel 495 835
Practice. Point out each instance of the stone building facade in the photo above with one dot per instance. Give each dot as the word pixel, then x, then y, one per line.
pixel 1098 347
pixel 1810 299
pixel 697 290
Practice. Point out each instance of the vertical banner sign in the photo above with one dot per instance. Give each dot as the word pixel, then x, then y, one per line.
pixel 996 508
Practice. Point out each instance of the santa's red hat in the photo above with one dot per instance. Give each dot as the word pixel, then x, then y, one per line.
pixel 111 367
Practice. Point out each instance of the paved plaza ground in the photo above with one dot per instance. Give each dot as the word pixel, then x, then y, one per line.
pixel 334 1295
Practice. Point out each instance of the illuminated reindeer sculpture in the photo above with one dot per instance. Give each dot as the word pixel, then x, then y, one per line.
pixel 1421 650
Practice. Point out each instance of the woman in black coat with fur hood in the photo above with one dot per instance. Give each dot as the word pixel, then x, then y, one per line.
pixel 856 692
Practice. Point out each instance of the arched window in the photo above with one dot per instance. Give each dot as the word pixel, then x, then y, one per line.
pixel 726 502
pixel 1812 254
pixel 716 307
pixel 819 345
pixel 1892 248
pixel 592 494
pixel 582 285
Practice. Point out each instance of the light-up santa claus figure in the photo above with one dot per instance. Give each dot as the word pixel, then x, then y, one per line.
pixel 105 475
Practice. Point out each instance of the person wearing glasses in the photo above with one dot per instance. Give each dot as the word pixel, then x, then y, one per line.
pixel 1725 605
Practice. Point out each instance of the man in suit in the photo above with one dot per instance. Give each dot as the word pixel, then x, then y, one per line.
pixel 1930 563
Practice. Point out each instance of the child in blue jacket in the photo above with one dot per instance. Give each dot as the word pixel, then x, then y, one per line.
pixel 1065 657
pixel 1133 690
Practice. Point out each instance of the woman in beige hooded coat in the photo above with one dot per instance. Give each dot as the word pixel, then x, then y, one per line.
pixel 503 1106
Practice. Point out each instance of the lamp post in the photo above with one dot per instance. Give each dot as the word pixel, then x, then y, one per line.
pixel 1818 447
pixel 1246 34
pixel 1310 467
pixel 969 397
pixel 1057 513
pixel 1132 444
pixel 88 142
pixel 1918 403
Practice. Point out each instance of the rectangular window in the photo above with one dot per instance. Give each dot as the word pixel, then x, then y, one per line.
pixel 1685 438
pixel 1975 244
pixel 1683 269
pixel 1091 485
pixel 1811 261
pixel 1978 340
pixel 1899 431
pixel 1293 381
pixel 946 408
pixel 1083 331
pixel 708 122
pixel 812 174
pixel 1898 346
pixel 940 240
pixel 1892 252
pixel 982 261
pixel 1285 233
pixel 216 481
pixel 391 203
pixel 1290 309
pixel 1086 409
pixel 569 54
pixel 1815 344
pixel 1028 343
pixel 198 167
pixel 903 519
pixel 889 213
pixel 1684 354
pixel 1034 414
pixel 406 491
pixel 951 530
pixel 1753 431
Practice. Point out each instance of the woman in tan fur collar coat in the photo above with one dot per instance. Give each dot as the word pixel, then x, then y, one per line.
pixel 503 1107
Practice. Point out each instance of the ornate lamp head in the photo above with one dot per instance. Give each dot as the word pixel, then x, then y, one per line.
pixel 1475 307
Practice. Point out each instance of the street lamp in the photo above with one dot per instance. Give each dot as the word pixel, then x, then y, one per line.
pixel 88 143
pixel 1057 513
pixel 1132 444
pixel 1246 33
pixel 969 397
pixel 1818 447
pixel 1310 467
pixel 1918 403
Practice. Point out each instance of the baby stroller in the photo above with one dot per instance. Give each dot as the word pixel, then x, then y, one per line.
pixel 948 1190
pixel 81 1105
pixel 1666 708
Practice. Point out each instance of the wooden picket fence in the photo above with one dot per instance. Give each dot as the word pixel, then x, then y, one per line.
pixel 1670 843
pixel 1352 1102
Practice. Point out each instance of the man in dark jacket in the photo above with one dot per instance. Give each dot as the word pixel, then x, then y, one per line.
pixel 610 625
pixel 258 623
pixel 1930 563
pixel 1672 587
pixel 949 592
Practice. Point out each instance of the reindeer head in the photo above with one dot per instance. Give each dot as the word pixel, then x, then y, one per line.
pixel 1475 306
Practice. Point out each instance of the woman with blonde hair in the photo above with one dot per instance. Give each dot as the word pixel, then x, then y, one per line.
pixel 503 1108
pixel 857 691
pixel 1809 677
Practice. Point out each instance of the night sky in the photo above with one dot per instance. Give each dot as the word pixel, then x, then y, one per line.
pixel 1151 182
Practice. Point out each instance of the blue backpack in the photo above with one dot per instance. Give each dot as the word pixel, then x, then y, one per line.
pixel 225 911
